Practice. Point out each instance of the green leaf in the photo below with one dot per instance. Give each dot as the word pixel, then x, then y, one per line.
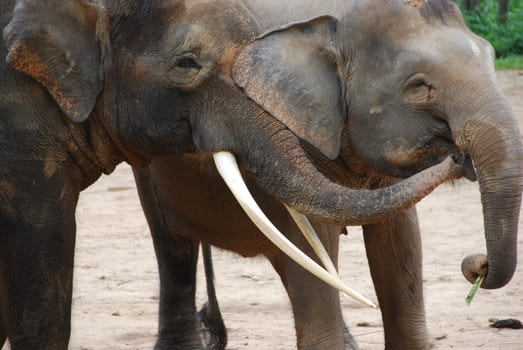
pixel 474 289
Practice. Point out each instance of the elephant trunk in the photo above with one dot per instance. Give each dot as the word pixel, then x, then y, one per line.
pixel 494 144
pixel 290 176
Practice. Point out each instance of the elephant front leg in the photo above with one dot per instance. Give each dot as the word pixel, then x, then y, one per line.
pixel 36 270
pixel 394 253
pixel 179 325
pixel 316 306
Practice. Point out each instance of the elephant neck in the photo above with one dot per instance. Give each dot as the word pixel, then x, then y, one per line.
pixel 92 149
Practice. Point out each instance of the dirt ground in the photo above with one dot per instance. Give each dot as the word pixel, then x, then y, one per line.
pixel 116 282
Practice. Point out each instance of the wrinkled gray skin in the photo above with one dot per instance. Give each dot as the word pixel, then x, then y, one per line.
pixel 411 84
pixel 86 85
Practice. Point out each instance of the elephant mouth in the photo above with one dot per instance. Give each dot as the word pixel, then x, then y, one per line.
pixel 430 156
pixel 442 147
pixel 468 166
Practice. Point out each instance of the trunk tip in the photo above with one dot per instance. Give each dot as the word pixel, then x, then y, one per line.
pixel 477 265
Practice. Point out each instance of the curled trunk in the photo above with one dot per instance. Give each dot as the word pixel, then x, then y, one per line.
pixel 291 177
pixel 495 147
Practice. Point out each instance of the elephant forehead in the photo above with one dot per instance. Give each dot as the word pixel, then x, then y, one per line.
pixel 456 41
pixel 440 48
pixel 226 19
pixel 214 33
pixel 474 47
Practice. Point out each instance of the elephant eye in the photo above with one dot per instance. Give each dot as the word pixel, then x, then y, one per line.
pixel 418 81
pixel 187 70
pixel 187 63
pixel 418 88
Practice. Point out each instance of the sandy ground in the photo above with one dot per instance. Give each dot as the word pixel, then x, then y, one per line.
pixel 116 283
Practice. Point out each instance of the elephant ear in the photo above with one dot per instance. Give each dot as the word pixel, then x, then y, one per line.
pixel 55 42
pixel 292 72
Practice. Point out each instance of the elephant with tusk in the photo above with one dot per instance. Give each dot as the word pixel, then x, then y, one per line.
pixel 374 92
pixel 87 84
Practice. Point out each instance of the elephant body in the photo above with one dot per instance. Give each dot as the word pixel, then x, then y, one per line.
pixel 398 65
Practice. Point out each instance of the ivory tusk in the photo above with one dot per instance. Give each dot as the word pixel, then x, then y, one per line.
pixel 313 239
pixel 310 234
pixel 230 172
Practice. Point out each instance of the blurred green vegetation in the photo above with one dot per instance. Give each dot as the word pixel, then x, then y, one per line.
pixel 510 62
pixel 503 30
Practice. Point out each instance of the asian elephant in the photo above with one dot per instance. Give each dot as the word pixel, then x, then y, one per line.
pixel 88 84
pixel 411 85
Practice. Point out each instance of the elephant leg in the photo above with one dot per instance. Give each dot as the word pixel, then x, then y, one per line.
pixel 215 333
pixel 179 326
pixel 394 253
pixel 36 273
pixel 316 306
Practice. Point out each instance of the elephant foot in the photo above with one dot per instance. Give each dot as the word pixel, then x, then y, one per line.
pixel 349 341
pixel 213 329
pixel 168 345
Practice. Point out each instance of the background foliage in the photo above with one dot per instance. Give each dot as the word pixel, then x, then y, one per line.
pixel 503 30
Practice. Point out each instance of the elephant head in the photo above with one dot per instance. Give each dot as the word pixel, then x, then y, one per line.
pixel 412 85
